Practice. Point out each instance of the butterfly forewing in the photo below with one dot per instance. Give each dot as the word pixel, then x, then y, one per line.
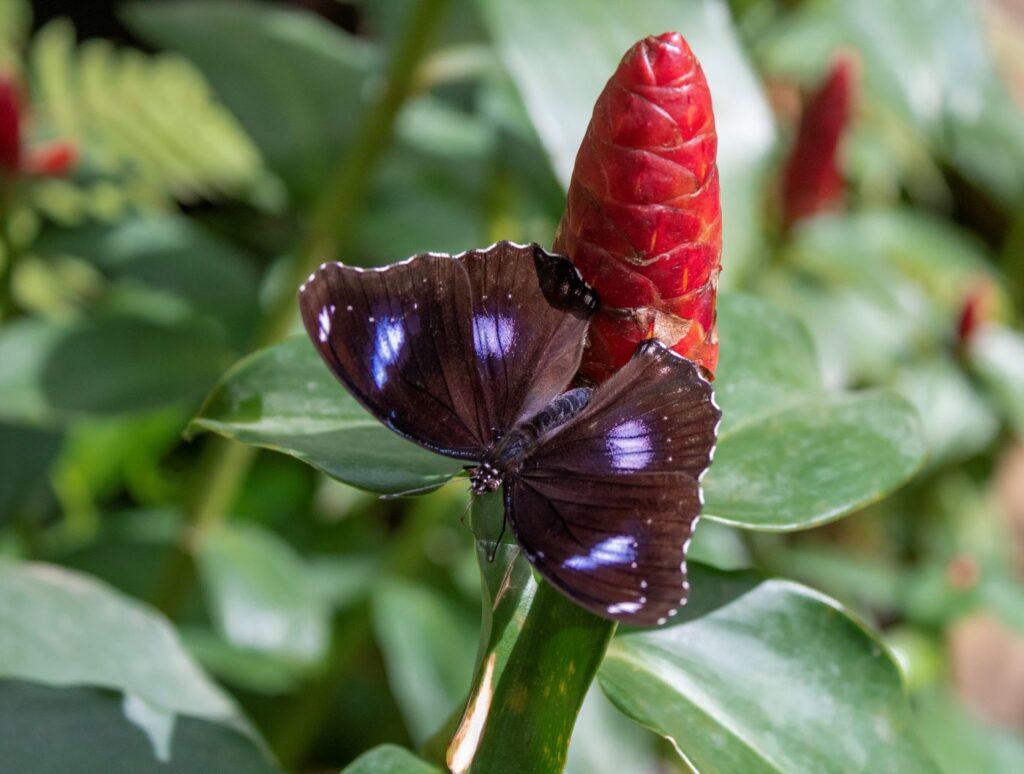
pixel 606 506
pixel 450 350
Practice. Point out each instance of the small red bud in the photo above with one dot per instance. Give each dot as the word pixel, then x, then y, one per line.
pixel 10 126
pixel 975 311
pixel 813 180
pixel 643 217
pixel 54 159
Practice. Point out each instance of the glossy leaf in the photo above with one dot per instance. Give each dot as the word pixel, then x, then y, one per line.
pixel 389 759
pixel 560 72
pixel 109 365
pixel 170 255
pixel 284 398
pixel 428 646
pixel 812 463
pixel 25 456
pixel 997 354
pixel 293 80
pixel 790 454
pixel 83 731
pixel 961 742
pixel 260 595
pixel 776 679
pixel 60 628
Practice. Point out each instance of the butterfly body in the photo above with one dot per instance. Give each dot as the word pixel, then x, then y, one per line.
pixel 507 456
pixel 469 356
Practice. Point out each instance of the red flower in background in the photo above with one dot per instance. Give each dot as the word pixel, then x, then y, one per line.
pixel 813 180
pixel 643 218
pixel 51 159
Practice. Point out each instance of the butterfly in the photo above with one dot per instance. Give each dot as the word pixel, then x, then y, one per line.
pixel 472 356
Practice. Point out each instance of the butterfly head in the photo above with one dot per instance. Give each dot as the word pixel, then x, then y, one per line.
pixel 484 478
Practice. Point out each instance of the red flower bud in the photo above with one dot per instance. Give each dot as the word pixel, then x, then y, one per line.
pixel 10 126
pixel 54 159
pixel 813 180
pixel 643 218
pixel 977 309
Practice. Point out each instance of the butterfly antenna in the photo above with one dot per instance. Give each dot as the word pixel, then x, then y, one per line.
pixel 494 547
pixel 417 490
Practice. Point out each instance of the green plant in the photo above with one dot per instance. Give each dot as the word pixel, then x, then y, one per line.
pixel 220 602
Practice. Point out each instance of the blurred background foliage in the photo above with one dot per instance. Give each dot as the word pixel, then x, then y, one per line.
pixel 317 621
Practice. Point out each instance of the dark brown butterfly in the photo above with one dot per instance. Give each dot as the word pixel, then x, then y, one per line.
pixel 470 356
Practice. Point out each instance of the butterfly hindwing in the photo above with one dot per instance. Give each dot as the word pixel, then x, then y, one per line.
pixel 449 351
pixel 605 507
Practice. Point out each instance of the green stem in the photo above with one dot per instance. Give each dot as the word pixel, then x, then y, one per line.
pixel 8 307
pixel 329 228
pixel 538 655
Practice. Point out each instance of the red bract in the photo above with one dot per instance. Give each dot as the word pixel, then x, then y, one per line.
pixel 10 127
pixel 643 217
pixel 50 160
pixel 813 179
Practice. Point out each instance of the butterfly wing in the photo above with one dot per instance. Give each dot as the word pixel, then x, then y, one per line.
pixel 605 508
pixel 443 349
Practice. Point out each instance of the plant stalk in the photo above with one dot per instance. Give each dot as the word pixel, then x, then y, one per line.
pixel 538 655
pixel 329 228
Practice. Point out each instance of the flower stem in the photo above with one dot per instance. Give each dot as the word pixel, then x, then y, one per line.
pixel 328 230
pixel 538 654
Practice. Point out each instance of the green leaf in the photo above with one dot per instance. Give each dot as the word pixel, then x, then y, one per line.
pixel 167 254
pixel 148 126
pixel 108 365
pixel 292 79
pixel 428 647
pixel 389 759
pixel 791 455
pixel 25 456
pixel 812 463
pixel 260 594
pixel 60 628
pixel 778 679
pixel 560 72
pixel 284 398
pixel 997 353
pixel 603 744
pixel 767 362
pixel 961 742
pixel 47 730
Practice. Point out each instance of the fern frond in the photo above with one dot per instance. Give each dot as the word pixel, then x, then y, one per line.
pixel 149 129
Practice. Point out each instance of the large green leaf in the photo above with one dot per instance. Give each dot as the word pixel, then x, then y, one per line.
pixel 777 678
pixel 47 730
pixel 25 456
pixel 171 255
pixel 561 54
pixel 998 355
pixel 260 594
pixel 62 630
pixel 428 646
pixel 107 365
pixel 389 759
pixel 791 455
pixel 813 462
pixel 962 742
pixel 293 80
pixel 284 398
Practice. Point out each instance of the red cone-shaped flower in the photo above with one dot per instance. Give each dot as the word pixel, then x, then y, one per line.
pixel 813 180
pixel 643 218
